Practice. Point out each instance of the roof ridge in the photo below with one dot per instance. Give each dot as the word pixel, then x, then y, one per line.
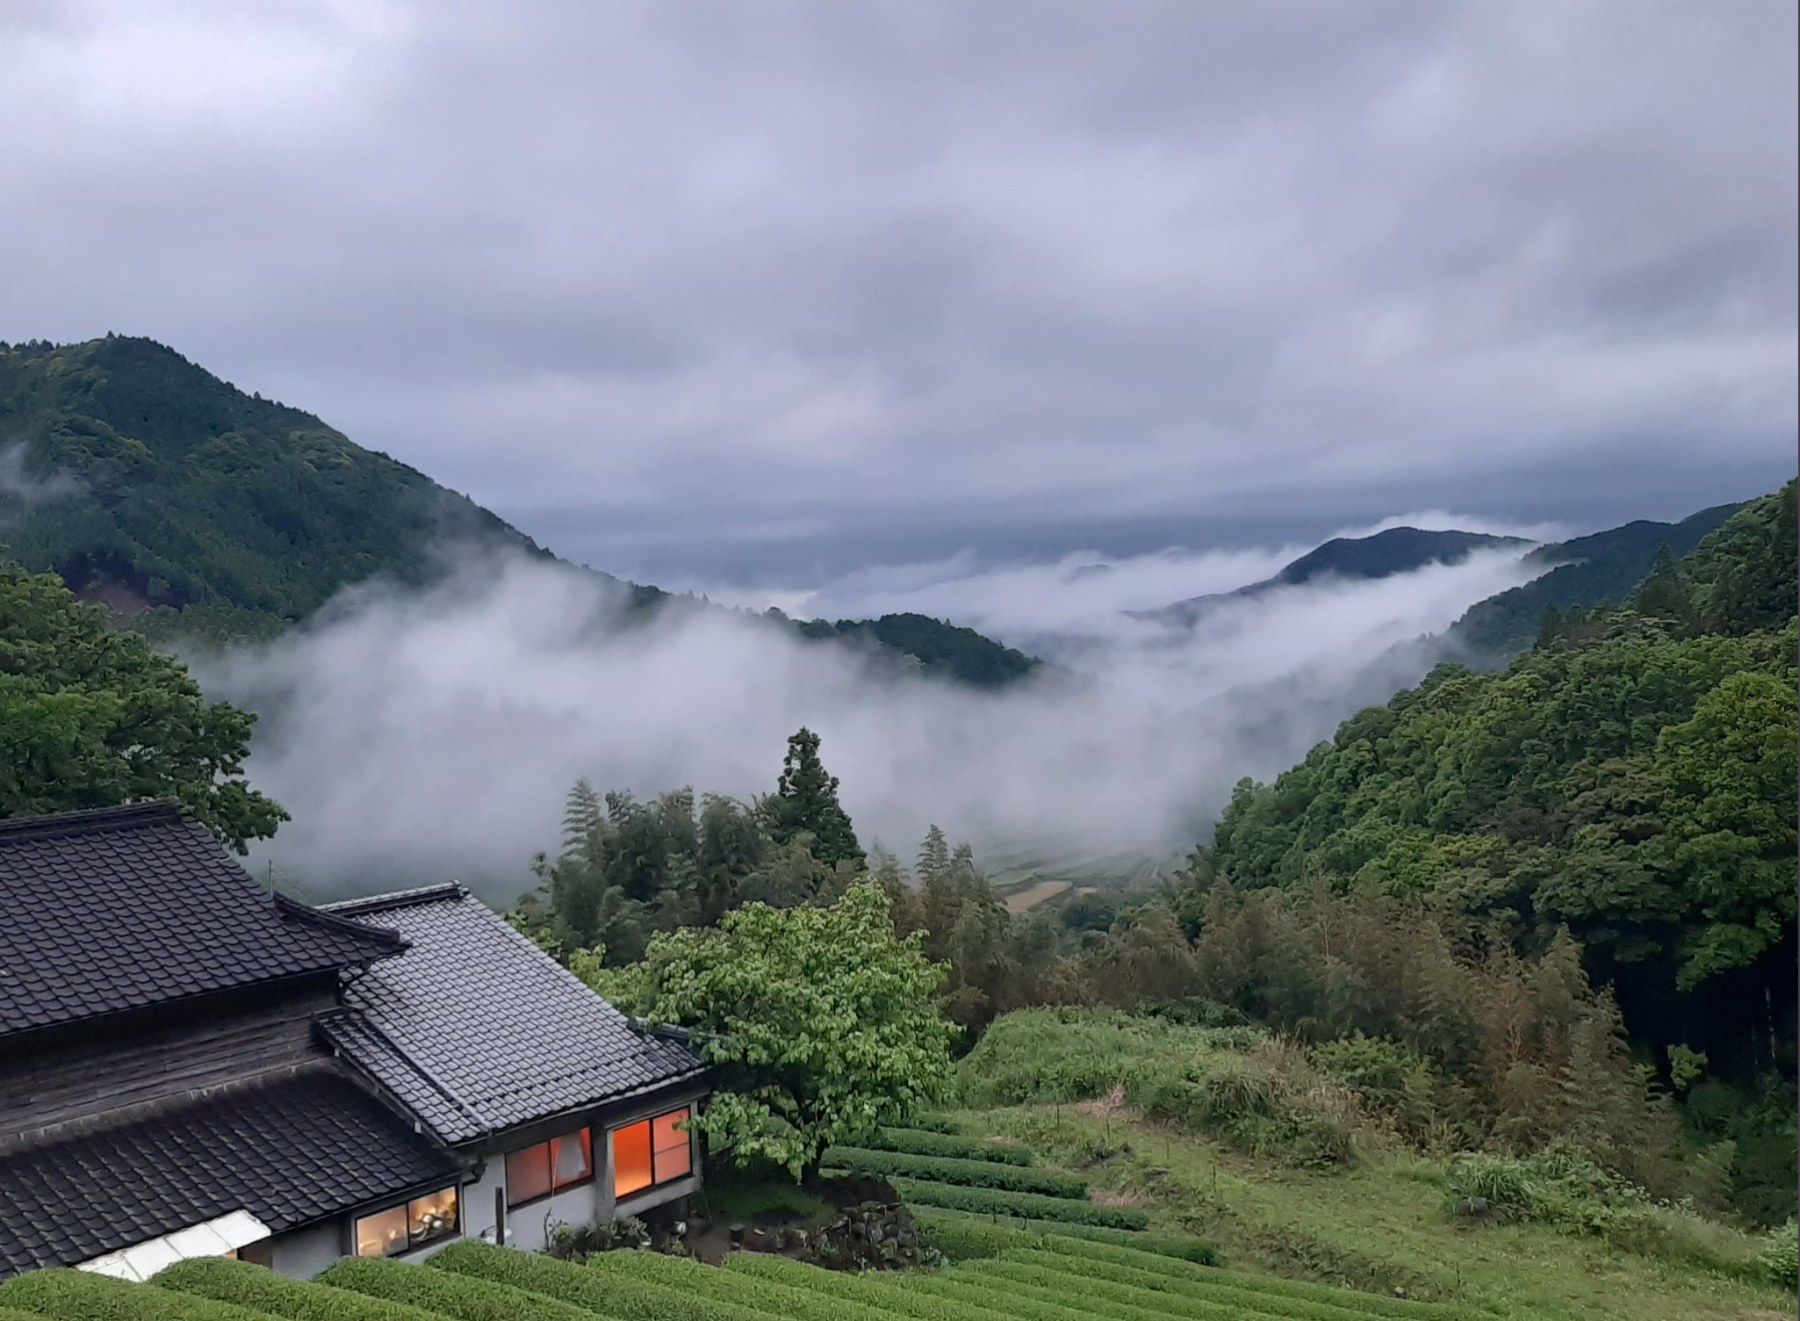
pixel 381 903
pixel 290 907
pixel 90 820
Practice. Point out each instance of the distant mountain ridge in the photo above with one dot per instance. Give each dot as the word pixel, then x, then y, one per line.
pixel 1603 568
pixel 190 507
pixel 1380 555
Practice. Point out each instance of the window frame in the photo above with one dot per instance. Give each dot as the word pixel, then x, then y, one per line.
pixel 648 1124
pixel 454 1230
pixel 583 1135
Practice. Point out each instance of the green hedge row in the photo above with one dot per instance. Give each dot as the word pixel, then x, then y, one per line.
pixel 608 1294
pixel 239 1282
pixel 964 1173
pixel 875 1289
pixel 778 1299
pixel 1031 1206
pixel 71 1295
pixel 961 1235
pixel 14 1314
pixel 1104 1297
pixel 921 1142
pixel 1003 1300
pixel 1276 1287
pixel 460 1296
pixel 933 1124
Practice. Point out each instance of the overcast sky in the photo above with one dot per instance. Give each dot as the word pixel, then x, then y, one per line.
pixel 771 291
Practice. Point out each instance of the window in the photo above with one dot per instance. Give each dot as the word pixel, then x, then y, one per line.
pixel 409 1225
pixel 651 1152
pixel 549 1167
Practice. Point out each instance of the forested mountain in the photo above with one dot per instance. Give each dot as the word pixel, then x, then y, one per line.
pixel 1396 550
pixel 1630 779
pixel 1601 569
pixel 191 507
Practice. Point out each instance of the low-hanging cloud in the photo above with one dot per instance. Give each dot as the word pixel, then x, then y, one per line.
pixel 418 736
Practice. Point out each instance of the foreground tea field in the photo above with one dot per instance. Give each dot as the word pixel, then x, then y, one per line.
pixel 1028 1277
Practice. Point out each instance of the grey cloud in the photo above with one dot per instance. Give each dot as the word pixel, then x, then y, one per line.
pixel 712 285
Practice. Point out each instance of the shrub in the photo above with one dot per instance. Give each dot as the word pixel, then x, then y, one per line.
pixel 1780 1256
pixel 258 1287
pixel 71 1295
pixel 1038 1302
pixel 460 1296
pixel 603 1292
pixel 960 1235
pixel 579 1242
pixel 944 1169
pixel 774 1297
pixel 933 1124
pixel 920 1142
pixel 886 1293
pixel 1031 1206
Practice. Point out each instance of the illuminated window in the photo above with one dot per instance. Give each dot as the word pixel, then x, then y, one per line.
pixel 409 1225
pixel 549 1167
pixel 651 1152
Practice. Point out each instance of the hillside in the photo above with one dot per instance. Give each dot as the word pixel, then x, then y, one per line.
pixel 1601 569
pixel 1631 779
pixel 193 509
pixel 1396 550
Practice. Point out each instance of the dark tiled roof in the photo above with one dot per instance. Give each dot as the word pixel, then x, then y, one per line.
pixel 476 1029
pixel 130 906
pixel 288 1150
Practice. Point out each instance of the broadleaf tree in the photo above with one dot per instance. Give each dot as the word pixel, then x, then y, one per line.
pixel 90 716
pixel 820 1024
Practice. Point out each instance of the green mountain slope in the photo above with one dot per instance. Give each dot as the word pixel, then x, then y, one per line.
pixel 1601 569
pixel 193 508
pixel 1632 778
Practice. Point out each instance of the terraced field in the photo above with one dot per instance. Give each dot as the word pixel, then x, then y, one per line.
pixel 1026 1276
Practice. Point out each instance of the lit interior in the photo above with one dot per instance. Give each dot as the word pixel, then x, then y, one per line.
pixel 631 1159
pixel 382 1234
pixel 673 1155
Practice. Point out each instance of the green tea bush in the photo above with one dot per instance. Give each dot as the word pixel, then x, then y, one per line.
pixel 933 1124
pixel 887 1293
pixel 945 1169
pixel 771 1296
pixel 961 1235
pixel 258 1287
pixel 1780 1256
pixel 462 1297
pixel 1000 1298
pixel 921 1142
pixel 1032 1206
pixel 71 1295
pixel 610 1295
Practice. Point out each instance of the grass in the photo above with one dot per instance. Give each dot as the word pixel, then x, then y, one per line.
pixel 1377 1225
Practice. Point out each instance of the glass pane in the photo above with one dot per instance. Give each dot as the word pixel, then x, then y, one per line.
pixel 574 1158
pixel 528 1174
pixel 431 1216
pixel 382 1234
pixel 631 1159
pixel 673 1154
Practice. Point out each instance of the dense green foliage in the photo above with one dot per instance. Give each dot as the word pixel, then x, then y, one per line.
pixel 609 1294
pixel 72 1295
pixel 1631 779
pixel 1029 1206
pixel 768 1296
pixel 462 1296
pixel 169 486
pixel 962 1236
pixel 924 1142
pixel 805 805
pixel 92 717
pixel 934 647
pixel 262 1289
pixel 1602 569
pixel 820 1023
pixel 948 1169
